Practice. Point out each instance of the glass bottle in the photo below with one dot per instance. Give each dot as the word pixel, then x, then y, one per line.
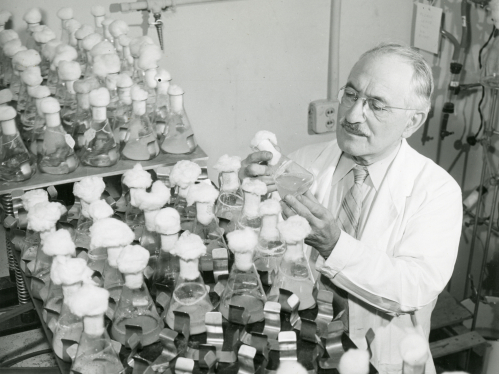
pixel 230 200
pixel 136 306
pixel 243 287
pixel 184 174
pixel 35 144
pixel 140 142
pixel 95 353
pixel 83 116
pixel 167 224
pixel 16 164
pixel 161 111
pixel 290 178
pixel 124 109
pixel 57 155
pixel 253 190
pixel 69 72
pixel 294 273
pixel 190 295
pixel 270 247
pixel 178 137
pixel 100 148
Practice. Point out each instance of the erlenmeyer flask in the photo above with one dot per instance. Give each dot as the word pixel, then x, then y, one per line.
pixel 113 279
pixel 57 155
pixel 83 116
pixel 127 59
pixel 184 174
pixel 69 72
pixel 243 287
pixel 253 190
pixel 136 178
pixel 178 137
pixel 230 200
pixel 95 353
pixel 140 141
pixel 290 178
pixel 270 247
pixel 53 302
pixel 294 271
pixel 123 112
pixel 42 36
pixel 100 147
pixel 161 112
pixel 16 164
pixel 80 34
pixel 37 134
pixel 88 43
pixel 190 295
pixel 136 306
pixel 32 78
pixel 167 224
pixel 99 13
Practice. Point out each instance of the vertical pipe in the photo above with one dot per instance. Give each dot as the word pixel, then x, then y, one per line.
pixel 334 50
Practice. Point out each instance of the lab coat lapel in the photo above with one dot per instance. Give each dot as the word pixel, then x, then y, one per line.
pixel 326 164
pixel 391 197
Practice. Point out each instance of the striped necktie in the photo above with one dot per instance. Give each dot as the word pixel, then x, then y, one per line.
pixel 351 206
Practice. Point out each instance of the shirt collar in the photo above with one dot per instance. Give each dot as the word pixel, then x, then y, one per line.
pixel 377 171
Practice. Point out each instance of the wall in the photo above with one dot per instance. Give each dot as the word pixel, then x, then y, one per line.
pixel 256 64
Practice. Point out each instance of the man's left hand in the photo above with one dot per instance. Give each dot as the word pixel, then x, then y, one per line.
pixel 325 232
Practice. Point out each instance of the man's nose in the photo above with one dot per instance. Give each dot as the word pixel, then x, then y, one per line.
pixel 357 112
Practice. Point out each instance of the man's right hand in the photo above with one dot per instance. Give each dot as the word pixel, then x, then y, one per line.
pixel 254 166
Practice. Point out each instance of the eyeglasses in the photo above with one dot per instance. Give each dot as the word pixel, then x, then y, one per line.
pixel 348 97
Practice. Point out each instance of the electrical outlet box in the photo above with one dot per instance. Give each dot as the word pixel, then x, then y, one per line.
pixel 322 116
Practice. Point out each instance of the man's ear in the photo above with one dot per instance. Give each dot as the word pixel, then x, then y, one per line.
pixel 414 123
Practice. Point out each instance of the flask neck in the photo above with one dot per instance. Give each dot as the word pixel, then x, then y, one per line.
pixel 149 217
pixel 204 213
pixel 69 289
pixel 9 127
pixel 134 281
pixel 112 255
pixel 83 100
pixel 243 260
pixel 177 103
pixel 99 113
pixel 94 325
pixel 269 229
pixel 251 202
pixel 168 242
pixel 294 252
pixel 139 107
pixel 53 119
pixel 229 181
pixel 189 269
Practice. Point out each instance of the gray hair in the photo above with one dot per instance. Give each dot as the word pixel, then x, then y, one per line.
pixel 422 78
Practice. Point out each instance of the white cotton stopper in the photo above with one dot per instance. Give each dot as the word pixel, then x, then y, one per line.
pixel 110 232
pixel 32 76
pixel 43 216
pixel 106 64
pixel 100 209
pixel 124 40
pixel 138 94
pixel 33 16
pixel 118 27
pixel 133 259
pixel 162 76
pixel 40 92
pixel 184 173
pixel 99 97
pixel 84 31
pixel 65 13
pixel 354 361
pixel 98 10
pixel 269 207
pixel 25 59
pixel 89 189
pixel 90 41
pixel 261 136
pixel 7 36
pixel 7 113
pixel 175 90
pixel 201 193
pixel 102 48
pixel 228 163
pixel 72 25
pixel 294 229
pixel 13 46
pixel 44 35
pixel 124 80
pixel 149 201
pixel 69 70
pixel 50 105
pixel 59 243
pixel 68 271
pixel 89 300
pixel 86 85
pixel 67 55
pixel 33 197
pixel 254 186
pixel 137 43
pixel 242 241
pixel 414 349
pixel 149 56
pixel 5 96
pixel 167 221
pixel 291 367
pixel 4 16
pixel 189 246
pixel 49 49
pixel 137 177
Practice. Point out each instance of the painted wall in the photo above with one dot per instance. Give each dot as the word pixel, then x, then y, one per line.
pixel 248 65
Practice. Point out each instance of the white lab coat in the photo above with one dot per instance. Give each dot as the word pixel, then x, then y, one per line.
pixel 406 252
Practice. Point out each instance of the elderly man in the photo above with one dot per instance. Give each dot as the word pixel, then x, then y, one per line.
pixel 386 220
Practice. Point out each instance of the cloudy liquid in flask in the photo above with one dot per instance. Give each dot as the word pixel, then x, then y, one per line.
pixel 293 183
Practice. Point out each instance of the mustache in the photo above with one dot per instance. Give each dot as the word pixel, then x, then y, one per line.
pixel 353 127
